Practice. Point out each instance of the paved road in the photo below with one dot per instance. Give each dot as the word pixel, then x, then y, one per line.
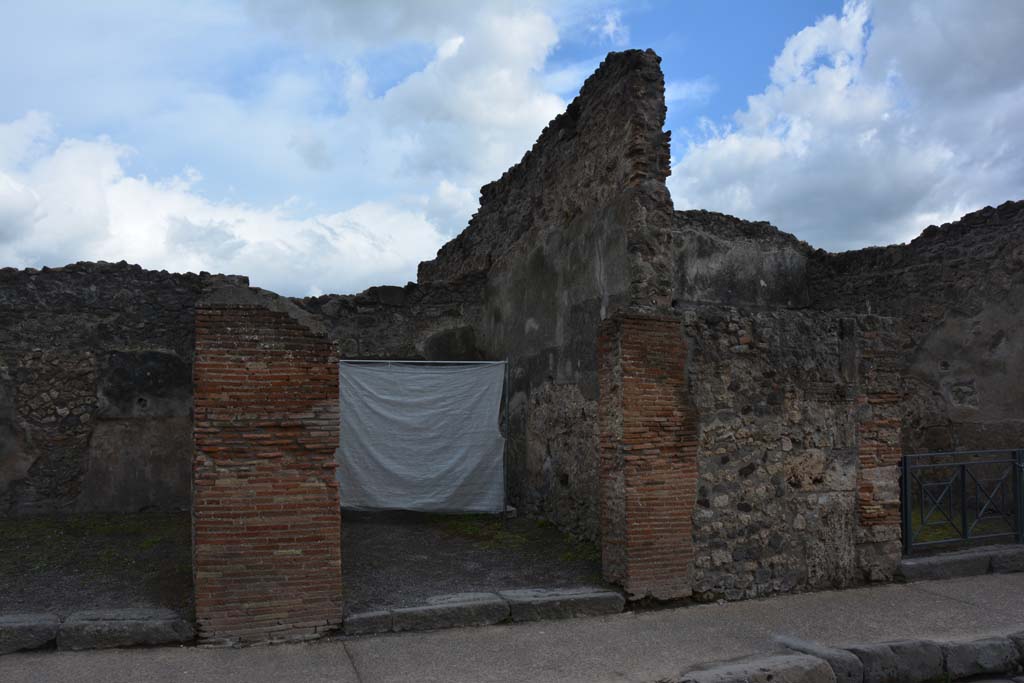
pixel 627 647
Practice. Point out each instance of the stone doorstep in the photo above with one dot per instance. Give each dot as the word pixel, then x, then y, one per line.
pixel 481 609
pixel 97 629
pixel 29 631
pixel 973 562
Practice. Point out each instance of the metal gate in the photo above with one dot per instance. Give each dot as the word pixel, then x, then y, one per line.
pixel 962 499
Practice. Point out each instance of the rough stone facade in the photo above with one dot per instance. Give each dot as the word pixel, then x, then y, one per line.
pixel 718 403
pixel 266 513
pixel 95 388
pixel 958 292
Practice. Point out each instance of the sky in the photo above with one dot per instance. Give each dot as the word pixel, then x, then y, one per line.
pixel 330 145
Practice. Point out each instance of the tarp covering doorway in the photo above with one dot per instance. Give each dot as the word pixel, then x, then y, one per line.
pixel 421 436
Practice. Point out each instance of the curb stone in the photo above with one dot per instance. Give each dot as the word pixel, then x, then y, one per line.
pixel 774 669
pixel 451 611
pixel 947 566
pixel 985 656
pixel 28 631
pixel 905 661
pixel 98 629
pixel 482 609
pixel 535 604
pixel 845 665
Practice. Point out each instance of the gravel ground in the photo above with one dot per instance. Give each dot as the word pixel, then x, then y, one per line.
pixel 398 559
pixel 68 563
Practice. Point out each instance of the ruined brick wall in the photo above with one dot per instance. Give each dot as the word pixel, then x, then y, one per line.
pixel 428 322
pixel 574 232
pixel 783 399
pixel 958 290
pixel 648 457
pixel 266 515
pixel 95 388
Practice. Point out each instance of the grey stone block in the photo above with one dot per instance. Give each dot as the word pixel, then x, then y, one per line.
pixel 905 661
pixel 27 631
pixel 96 629
pixel 451 611
pixel 367 622
pixel 845 665
pixel 985 656
pixel 947 566
pixel 1018 640
pixel 1008 561
pixel 774 669
pixel 537 603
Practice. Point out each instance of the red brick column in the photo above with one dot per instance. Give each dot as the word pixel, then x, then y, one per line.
pixel 648 456
pixel 879 450
pixel 265 512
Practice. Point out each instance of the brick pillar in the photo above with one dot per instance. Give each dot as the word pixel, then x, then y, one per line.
pixel 648 456
pixel 265 511
pixel 879 450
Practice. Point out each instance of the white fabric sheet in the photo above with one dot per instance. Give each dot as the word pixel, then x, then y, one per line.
pixel 421 437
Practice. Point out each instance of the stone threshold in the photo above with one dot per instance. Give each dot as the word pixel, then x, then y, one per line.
pixel 999 559
pixel 483 609
pixel 94 629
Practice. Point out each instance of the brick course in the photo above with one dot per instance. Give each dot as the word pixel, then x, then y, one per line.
pixel 648 456
pixel 266 515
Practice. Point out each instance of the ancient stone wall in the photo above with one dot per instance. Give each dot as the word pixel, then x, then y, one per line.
pixel 418 322
pixel 95 388
pixel 266 513
pixel 784 450
pixel 722 259
pixel 574 232
pixel 958 291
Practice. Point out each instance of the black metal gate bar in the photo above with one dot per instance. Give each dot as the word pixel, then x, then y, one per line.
pixel 943 483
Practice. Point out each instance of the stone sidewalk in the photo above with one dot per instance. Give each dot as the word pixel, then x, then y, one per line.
pixel 642 646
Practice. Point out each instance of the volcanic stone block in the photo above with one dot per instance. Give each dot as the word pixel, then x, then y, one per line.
pixel 985 656
pixel 96 629
pixel 27 631
pixel 775 668
pixel 452 611
pixel 905 661
pixel 533 604
pixel 845 665
pixel 1008 561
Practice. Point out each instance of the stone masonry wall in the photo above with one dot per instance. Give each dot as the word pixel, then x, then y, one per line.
pixel 784 446
pixel 266 515
pixel 958 290
pixel 95 388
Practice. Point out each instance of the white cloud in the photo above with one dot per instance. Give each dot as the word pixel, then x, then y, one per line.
pixel 875 123
pixel 612 29
pixel 320 176
pixel 77 199
pixel 697 91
